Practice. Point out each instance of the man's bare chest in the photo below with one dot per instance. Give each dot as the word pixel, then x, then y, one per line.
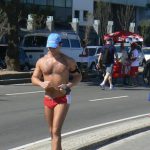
pixel 57 67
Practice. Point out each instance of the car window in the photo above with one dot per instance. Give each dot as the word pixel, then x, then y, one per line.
pixel 117 49
pixel 65 43
pixel 28 41
pixel 91 51
pixel 39 41
pixel 35 41
pixel 146 51
pixel 99 50
pixel 75 43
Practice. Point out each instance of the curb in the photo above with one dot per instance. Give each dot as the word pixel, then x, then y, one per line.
pixel 15 81
pixel 12 77
pixel 15 77
pixel 96 138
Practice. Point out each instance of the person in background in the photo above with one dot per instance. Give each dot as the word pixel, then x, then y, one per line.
pixel 52 73
pixel 107 58
pixel 134 64
pixel 85 50
pixel 124 59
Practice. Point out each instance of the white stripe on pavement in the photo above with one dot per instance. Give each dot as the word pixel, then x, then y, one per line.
pixel 80 130
pixel 101 99
pixel 24 93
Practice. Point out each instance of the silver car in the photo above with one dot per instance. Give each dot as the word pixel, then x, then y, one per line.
pixel 90 56
pixel 146 51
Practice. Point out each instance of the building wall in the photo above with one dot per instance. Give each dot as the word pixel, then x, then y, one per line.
pixel 141 3
pixel 85 5
pixel 141 13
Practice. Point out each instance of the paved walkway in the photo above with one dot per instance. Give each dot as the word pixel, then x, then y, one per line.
pixel 136 142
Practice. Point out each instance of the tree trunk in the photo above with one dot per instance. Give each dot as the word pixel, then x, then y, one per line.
pixel 11 58
pixel 12 53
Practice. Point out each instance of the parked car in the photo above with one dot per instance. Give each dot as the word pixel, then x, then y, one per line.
pixel 90 56
pixel 146 51
pixel 24 60
pixel 34 45
pixel 142 60
pixel 2 64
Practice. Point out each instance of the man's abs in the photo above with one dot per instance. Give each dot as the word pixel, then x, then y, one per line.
pixel 55 81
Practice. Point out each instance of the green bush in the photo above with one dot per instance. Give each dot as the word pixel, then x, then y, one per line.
pixel 145 31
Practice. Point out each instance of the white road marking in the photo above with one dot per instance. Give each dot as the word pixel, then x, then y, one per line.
pixel 80 130
pixel 102 99
pixel 24 93
pixel 23 84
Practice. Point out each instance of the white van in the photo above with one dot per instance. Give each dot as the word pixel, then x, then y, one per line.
pixel 34 45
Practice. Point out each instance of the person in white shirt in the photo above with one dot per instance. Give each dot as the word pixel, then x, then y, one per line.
pixel 134 63
pixel 125 63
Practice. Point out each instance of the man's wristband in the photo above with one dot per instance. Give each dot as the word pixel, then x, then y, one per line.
pixel 67 89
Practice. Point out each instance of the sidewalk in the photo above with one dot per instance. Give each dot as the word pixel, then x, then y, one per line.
pixel 14 77
pixel 96 137
pixel 138 142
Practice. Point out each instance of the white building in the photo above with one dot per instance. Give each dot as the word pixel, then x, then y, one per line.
pixel 80 8
pixel 67 9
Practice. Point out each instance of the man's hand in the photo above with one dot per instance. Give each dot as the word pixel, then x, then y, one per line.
pixel 45 84
pixel 64 89
pixel 98 66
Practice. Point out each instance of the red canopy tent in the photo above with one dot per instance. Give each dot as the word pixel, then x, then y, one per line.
pixel 124 36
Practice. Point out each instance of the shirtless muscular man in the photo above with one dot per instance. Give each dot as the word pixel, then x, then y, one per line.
pixel 52 73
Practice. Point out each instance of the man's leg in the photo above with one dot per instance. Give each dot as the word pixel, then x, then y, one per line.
pixel 49 118
pixel 102 85
pixel 105 78
pixel 110 71
pixel 60 112
pixel 110 81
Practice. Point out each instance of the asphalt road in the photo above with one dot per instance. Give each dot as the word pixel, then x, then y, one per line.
pixel 22 119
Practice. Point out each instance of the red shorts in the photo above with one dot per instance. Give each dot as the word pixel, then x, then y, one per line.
pixel 133 71
pixel 51 103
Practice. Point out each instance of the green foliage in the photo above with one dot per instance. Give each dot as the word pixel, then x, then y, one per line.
pixel 3 23
pixel 145 31
pixel 12 12
pixel 103 13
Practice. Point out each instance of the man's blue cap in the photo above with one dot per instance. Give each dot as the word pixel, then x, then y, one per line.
pixel 53 40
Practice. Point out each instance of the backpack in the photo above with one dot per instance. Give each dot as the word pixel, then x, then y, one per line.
pixel 106 58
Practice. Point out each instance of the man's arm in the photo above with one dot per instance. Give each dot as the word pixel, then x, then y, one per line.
pixel 37 77
pixel 99 61
pixel 75 73
pixel 99 58
pixel 76 78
